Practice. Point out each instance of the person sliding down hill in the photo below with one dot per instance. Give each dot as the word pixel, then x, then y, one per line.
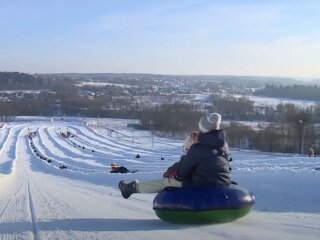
pixel 116 169
pixel 206 162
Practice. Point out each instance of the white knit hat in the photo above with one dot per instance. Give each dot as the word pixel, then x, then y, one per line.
pixel 210 121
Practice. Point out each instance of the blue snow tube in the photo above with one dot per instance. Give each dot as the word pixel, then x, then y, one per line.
pixel 202 205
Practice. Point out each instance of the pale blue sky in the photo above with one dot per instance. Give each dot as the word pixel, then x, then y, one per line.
pixel 229 37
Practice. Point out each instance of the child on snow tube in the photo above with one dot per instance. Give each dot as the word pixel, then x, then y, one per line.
pixel 116 169
pixel 205 163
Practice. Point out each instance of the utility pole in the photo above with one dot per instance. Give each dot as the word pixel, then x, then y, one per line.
pixel 151 129
pixel 152 138
pixel 301 139
pixel 117 131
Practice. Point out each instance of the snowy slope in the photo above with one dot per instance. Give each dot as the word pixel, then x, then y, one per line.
pixel 38 200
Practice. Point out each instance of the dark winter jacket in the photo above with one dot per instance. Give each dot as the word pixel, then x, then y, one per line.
pixel 206 163
pixel 121 169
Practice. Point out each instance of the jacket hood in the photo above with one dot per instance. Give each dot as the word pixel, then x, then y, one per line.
pixel 214 139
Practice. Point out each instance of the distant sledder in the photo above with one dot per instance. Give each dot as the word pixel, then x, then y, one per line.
pixel 121 169
pixel 63 166
pixel 32 135
pixel 66 134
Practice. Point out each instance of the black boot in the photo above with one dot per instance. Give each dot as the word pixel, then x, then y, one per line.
pixel 128 188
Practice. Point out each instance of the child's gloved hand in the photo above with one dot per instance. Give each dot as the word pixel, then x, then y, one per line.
pixel 169 174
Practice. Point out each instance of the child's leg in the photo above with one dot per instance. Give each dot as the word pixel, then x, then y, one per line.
pixel 158 185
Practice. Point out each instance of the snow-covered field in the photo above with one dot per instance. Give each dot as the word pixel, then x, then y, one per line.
pixel 38 200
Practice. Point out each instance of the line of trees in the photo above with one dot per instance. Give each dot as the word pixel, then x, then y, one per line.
pixel 283 135
pixel 233 108
pixel 24 81
pixel 302 92
pixel 276 137
pixel 172 118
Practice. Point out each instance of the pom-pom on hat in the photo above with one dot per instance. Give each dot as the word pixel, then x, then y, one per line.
pixel 209 122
